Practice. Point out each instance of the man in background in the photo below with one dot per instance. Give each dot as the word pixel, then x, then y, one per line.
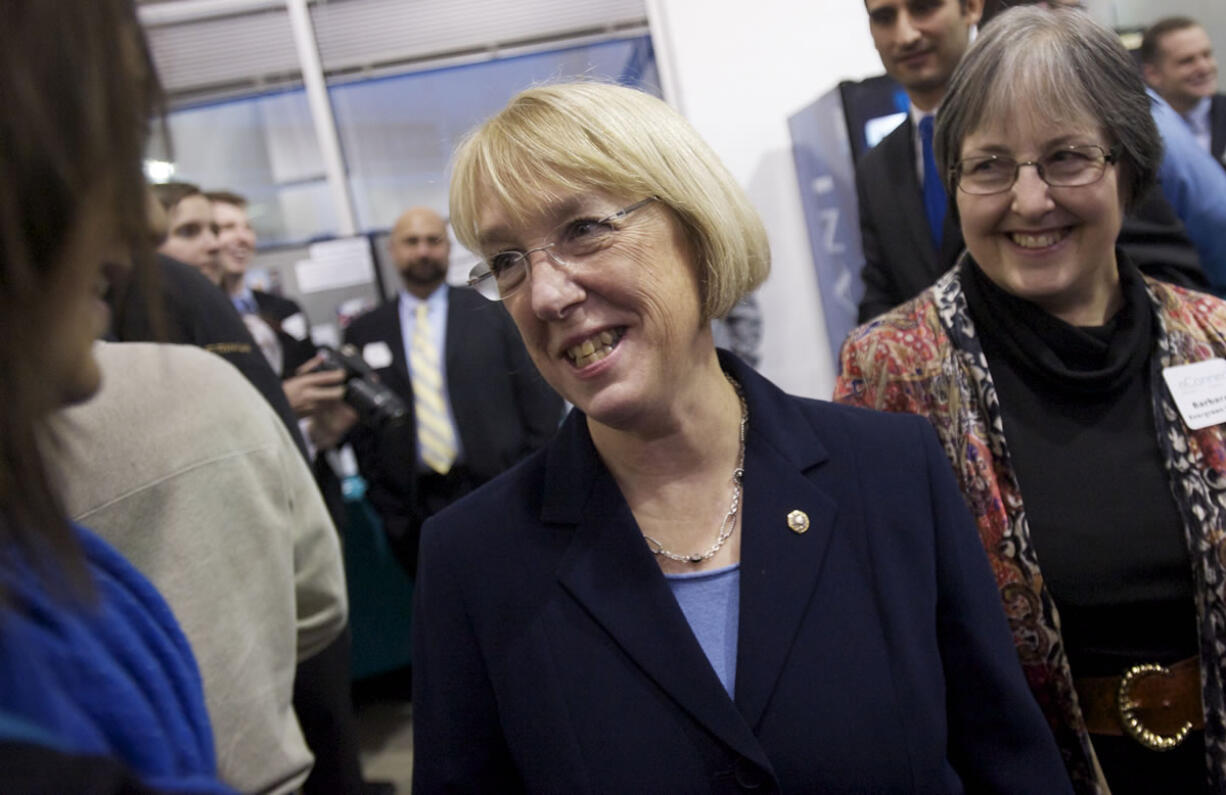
pixel 1177 59
pixel 476 401
pixel 1178 64
pixel 909 237
pixel 236 239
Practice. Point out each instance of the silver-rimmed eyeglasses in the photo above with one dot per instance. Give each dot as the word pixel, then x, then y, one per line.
pixel 1066 167
pixel 573 243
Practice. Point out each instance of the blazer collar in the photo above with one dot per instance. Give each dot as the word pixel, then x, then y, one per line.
pixel 609 570
pixel 780 567
pixel 572 463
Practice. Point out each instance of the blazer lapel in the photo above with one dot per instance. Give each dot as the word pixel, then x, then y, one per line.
pixel 465 394
pixel 394 333
pixel 909 197
pixel 780 567
pixel 952 244
pixel 609 570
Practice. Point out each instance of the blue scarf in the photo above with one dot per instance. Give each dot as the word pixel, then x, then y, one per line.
pixel 116 678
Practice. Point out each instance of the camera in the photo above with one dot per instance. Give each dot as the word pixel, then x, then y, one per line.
pixel 377 405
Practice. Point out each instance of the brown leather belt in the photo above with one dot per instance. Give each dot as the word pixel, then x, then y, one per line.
pixel 1155 706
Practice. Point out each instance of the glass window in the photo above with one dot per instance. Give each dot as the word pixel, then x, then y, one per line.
pixel 265 149
pixel 396 135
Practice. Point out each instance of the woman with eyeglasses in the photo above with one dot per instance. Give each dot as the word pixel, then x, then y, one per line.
pixel 1078 403
pixel 702 584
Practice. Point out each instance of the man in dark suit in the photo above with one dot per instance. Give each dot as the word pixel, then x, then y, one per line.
pixel 909 236
pixel 478 404
pixel 236 239
pixel 1178 63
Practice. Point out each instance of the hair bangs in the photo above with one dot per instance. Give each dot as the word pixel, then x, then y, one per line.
pixel 1034 82
pixel 558 140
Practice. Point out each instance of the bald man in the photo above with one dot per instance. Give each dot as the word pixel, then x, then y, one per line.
pixel 477 403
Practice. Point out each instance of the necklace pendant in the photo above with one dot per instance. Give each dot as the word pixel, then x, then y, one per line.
pixel 695 558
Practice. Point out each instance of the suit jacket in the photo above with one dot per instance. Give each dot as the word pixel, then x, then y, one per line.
pixel 900 260
pixel 1217 128
pixel 872 653
pixel 275 310
pixel 503 408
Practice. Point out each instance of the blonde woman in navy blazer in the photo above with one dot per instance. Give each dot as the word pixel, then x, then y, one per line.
pixel 702 584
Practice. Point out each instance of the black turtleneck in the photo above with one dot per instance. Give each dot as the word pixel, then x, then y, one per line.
pixel 1078 418
pixel 1079 424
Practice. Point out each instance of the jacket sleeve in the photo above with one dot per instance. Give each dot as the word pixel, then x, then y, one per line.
pixel 1153 238
pixel 386 457
pixel 880 292
pixel 458 746
pixel 320 600
pixel 999 740
pixel 846 390
pixel 1196 188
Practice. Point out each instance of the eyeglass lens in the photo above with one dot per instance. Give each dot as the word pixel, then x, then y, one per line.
pixel 1071 167
pixel 571 243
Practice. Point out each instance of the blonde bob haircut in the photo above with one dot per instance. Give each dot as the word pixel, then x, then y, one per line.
pixel 580 137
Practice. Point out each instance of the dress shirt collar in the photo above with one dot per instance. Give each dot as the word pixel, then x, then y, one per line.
pixel 1198 120
pixel 244 301
pixel 410 302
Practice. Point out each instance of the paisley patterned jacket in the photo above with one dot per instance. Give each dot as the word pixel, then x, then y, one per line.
pixel 924 357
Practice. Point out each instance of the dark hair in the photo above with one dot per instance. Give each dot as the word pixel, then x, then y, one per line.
pixel 226 197
pixel 78 91
pixel 1064 62
pixel 1151 42
pixel 171 193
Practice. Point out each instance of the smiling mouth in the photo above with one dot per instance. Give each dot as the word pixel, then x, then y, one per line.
pixel 1038 239
pixel 595 347
pixel 913 57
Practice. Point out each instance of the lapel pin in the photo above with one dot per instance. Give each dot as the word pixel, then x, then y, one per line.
pixel 798 521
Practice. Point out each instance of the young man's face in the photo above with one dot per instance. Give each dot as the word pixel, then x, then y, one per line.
pixel 921 42
pixel 236 238
pixel 192 237
pixel 1185 70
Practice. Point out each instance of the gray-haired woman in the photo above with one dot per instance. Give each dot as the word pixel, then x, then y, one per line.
pixel 1043 360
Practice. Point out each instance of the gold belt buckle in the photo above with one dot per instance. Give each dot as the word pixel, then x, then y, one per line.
pixel 1127 709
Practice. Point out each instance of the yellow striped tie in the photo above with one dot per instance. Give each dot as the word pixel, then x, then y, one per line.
pixel 434 433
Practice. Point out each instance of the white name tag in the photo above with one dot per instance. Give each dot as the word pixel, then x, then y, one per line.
pixel 377 354
pixel 296 326
pixel 1200 392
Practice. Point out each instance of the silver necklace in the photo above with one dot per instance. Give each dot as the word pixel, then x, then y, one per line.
pixel 726 527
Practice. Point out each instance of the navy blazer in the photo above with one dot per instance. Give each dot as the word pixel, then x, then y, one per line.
pixel 872 655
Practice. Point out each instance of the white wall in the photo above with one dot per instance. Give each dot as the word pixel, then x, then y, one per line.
pixel 1138 13
pixel 737 70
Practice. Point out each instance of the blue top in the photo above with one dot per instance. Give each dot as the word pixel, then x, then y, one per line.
pixel 1195 186
pixel 115 678
pixel 711 601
